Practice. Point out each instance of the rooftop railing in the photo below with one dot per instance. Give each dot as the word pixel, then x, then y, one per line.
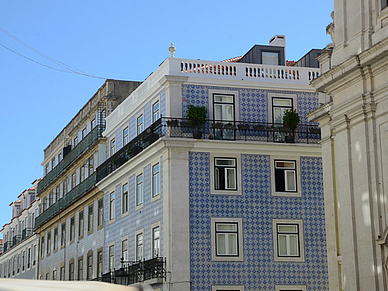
pixel 73 195
pixel 67 160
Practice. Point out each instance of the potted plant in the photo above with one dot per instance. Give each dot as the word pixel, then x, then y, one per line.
pixel 197 117
pixel 290 120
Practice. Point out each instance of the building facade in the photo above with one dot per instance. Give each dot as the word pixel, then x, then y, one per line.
pixel 70 234
pixel 354 145
pixel 241 207
pixel 19 257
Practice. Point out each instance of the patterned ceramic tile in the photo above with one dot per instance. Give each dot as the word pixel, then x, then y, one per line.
pixel 257 207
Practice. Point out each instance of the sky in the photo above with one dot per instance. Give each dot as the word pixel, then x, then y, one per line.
pixel 124 40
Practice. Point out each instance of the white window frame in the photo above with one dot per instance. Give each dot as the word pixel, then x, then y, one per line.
pixel 225 169
pixel 139 233
pixel 126 238
pixel 213 191
pixel 109 257
pixel 125 135
pixel 295 159
pixel 139 196
pixel 290 288
pixel 299 223
pixel 281 96
pixel 212 92
pixel 235 220
pixel 112 147
pixel 157 111
pixel 155 184
pixel 139 125
pixel 153 227
pixel 125 211
pixel 112 206
pixel 228 287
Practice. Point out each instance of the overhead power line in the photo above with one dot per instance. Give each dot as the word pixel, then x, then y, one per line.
pixel 66 68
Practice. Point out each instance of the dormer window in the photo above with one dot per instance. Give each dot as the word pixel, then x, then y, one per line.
pixel 270 58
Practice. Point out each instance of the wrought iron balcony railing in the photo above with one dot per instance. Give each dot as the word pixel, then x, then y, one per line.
pixel 7 246
pixel 67 160
pixel 136 272
pixel 211 130
pixel 131 149
pixel 77 192
pixel 26 233
pixel 16 239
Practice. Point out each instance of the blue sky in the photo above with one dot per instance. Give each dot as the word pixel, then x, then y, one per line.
pixel 124 40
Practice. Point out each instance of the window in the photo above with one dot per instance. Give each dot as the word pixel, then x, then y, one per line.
pixel 111 257
pixel 82 173
pixel 72 229
pixel 125 136
pixel 23 260
pixel 73 181
pixel 71 271
pixel 139 190
pixel 59 157
pixel 90 218
pixel 89 272
pixel 290 288
pixel 55 238
pixel 46 169
pixel 112 206
pixel 83 133
pixel 91 165
pixel 156 241
pixel 124 250
pixel 139 247
pixel 81 223
pixel 140 124
pixel 228 288
pixel 48 242
pixel 270 58
pixel 112 146
pixel 225 177
pixel 57 194
pixel 64 187
pixel 223 108
pixel 279 106
pixel 124 201
pixel 54 274
pixel 75 141
pixel 93 123
pixel 384 4
pixel 155 180
pixel 226 239
pixel 29 258
pixel 63 234
pixel 80 269
pixel 62 273
pixel 47 276
pixel 34 256
pixel 42 247
pixel 99 263
pixel 100 212
pixel 285 176
pixel 288 240
pixel 53 163
pixel 155 111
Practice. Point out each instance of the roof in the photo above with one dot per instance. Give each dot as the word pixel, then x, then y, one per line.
pixel 232 60
pixel 290 63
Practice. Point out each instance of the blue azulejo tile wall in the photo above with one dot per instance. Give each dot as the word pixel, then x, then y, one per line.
pixel 257 208
pixel 253 103
pixel 141 219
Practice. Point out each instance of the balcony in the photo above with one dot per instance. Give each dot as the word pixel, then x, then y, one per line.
pixel 7 246
pixel 210 130
pixel 26 233
pixel 15 240
pixel 73 155
pixel 137 272
pixel 76 193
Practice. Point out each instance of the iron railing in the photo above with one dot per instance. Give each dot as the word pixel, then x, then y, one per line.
pixel 26 233
pixel 131 149
pixel 241 131
pixel 16 239
pixel 7 246
pixel 212 130
pixel 136 272
pixel 73 195
pixel 67 160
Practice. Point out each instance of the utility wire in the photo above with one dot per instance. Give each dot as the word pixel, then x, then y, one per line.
pixel 68 68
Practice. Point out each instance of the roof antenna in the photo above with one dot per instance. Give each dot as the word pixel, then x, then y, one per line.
pixel 172 49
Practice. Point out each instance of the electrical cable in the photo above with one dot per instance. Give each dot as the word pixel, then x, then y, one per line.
pixel 68 68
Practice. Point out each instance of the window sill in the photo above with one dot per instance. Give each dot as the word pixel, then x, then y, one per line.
pixel 155 198
pixel 287 194
pixel 226 192
pixel 138 207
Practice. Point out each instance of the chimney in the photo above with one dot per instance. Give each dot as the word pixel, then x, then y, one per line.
pixel 279 40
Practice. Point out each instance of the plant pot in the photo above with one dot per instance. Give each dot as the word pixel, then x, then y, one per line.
pixel 289 138
pixel 197 134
